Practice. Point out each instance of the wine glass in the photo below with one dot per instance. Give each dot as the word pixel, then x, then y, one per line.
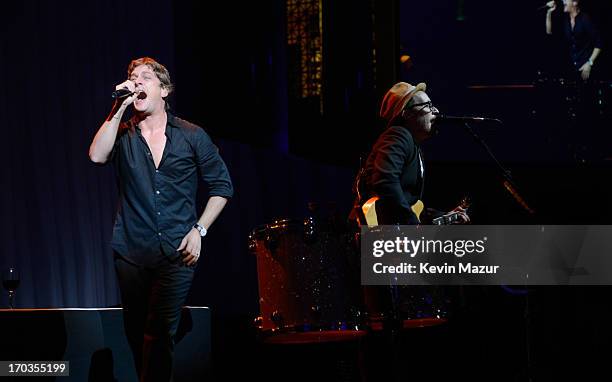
pixel 10 282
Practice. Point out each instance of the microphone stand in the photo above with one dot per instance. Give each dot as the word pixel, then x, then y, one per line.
pixel 508 183
pixel 512 189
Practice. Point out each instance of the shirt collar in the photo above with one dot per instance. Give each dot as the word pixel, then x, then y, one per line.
pixel 170 125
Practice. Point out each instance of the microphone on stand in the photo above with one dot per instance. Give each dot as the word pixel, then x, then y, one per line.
pixel 448 119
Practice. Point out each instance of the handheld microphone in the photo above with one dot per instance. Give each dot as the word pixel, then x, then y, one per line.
pixel 122 93
pixel 546 6
pixel 443 118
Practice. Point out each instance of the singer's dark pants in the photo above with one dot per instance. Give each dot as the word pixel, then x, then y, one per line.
pixel 152 298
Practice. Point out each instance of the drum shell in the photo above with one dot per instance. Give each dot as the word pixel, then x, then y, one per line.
pixel 306 278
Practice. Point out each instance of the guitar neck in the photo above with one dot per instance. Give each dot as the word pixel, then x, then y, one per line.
pixel 446 219
pixel 452 217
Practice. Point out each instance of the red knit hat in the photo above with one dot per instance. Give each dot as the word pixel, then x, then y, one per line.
pixel 397 98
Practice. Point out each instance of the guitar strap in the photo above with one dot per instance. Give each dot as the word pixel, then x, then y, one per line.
pixel 421 173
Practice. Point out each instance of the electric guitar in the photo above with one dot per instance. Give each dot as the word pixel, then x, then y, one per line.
pixel 369 211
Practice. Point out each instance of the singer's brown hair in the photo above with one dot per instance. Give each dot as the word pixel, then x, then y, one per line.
pixel 160 71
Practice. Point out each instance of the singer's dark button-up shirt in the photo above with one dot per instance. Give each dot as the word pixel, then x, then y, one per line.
pixel 582 39
pixel 157 206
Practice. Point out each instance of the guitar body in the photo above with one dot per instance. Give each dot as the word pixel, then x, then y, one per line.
pixel 371 219
pixel 369 210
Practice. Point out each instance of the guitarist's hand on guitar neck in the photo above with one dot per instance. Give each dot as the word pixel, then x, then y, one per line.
pixel 457 216
pixel 462 216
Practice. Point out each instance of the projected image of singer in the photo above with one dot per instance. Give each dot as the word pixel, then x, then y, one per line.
pixel 157 237
pixel 582 36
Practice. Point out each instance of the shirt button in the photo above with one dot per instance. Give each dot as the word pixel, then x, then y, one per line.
pixel 156 170
pixel 157 192
pixel 159 234
pixel 159 213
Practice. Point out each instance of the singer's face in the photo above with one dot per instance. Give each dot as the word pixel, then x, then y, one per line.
pixel 569 5
pixel 421 116
pixel 152 93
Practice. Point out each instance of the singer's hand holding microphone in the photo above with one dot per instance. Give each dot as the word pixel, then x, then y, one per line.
pixel 550 6
pixel 127 91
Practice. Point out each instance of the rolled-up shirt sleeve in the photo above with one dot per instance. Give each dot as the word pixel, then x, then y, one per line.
pixel 211 167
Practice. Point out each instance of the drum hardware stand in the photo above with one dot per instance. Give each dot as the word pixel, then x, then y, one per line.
pixel 277 318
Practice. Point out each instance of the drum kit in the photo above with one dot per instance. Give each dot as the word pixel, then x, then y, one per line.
pixel 310 289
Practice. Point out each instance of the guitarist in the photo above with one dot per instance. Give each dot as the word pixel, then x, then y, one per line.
pixel 394 170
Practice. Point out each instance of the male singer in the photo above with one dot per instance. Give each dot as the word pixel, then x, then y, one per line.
pixel 157 237
pixel 583 38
